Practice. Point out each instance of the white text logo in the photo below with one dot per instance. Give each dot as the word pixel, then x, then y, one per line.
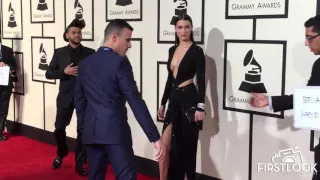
pixel 287 161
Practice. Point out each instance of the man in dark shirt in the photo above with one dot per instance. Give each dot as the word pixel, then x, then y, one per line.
pixel 281 103
pixel 64 66
pixel 6 59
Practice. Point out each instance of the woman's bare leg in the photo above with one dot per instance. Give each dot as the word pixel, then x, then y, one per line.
pixel 164 164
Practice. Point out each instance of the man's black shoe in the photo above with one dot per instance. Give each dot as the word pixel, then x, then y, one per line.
pixel 57 162
pixel 81 171
pixel 3 138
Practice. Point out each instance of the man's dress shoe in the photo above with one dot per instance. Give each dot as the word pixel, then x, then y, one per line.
pixel 3 138
pixel 81 171
pixel 57 162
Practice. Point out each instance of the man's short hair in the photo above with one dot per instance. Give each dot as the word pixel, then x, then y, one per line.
pixel 75 23
pixel 116 26
pixel 313 22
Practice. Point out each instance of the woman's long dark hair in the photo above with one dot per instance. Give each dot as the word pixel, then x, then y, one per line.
pixel 187 18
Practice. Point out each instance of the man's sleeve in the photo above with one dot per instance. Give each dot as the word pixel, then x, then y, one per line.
pixel 12 62
pixel 281 103
pixel 129 89
pixel 54 71
pixel 315 73
pixel 80 102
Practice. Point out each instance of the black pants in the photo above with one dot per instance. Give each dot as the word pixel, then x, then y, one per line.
pixel 5 94
pixel 63 119
pixel 184 138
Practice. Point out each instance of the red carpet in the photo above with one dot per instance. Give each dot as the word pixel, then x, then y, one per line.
pixel 23 158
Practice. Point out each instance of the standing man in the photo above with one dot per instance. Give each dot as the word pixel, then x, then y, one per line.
pixel 281 103
pixel 6 59
pixel 64 66
pixel 104 83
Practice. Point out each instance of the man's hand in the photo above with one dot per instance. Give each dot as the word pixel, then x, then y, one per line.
pixel 259 100
pixel 2 64
pixel 73 71
pixel 160 150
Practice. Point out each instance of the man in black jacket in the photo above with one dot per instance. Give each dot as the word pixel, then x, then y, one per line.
pixel 64 66
pixel 281 103
pixel 6 59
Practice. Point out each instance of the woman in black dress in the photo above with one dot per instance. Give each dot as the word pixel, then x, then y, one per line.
pixel 183 118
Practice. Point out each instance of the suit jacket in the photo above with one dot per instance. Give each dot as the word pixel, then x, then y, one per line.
pixel 60 60
pixel 104 83
pixel 281 103
pixel 8 58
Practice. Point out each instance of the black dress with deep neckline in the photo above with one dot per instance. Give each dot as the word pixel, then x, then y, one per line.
pixel 184 138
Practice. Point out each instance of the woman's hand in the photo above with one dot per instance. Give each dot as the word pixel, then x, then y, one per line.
pixel 161 112
pixel 199 116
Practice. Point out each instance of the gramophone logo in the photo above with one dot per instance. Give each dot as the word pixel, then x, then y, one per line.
pixel 123 2
pixel 252 82
pixel 43 59
pixel 181 8
pixel 42 5
pixel 12 20
pixel 79 11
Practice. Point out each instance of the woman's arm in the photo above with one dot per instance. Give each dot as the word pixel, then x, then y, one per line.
pixel 201 66
pixel 167 89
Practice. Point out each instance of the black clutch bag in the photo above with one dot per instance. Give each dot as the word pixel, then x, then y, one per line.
pixel 189 113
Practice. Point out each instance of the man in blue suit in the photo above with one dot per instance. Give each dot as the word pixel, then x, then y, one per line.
pixel 104 83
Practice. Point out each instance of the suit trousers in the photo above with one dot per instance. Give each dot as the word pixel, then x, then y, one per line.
pixel 120 156
pixel 5 94
pixel 63 119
